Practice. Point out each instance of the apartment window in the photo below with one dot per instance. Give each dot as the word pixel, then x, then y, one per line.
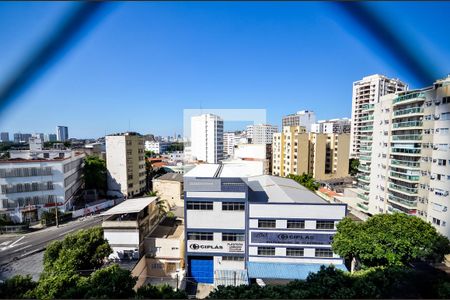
pixel 266 224
pixel 232 258
pixel 233 206
pixel 324 253
pixel 445 116
pixel 266 251
pixel 296 224
pixel 199 205
pixel 445 100
pixel 298 252
pixel 129 143
pixel 232 237
pixel 436 221
pixel 325 225
pixel 442 162
pixel 130 185
pixel 200 236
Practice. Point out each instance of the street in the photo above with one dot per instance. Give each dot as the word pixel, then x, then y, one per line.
pixel 17 246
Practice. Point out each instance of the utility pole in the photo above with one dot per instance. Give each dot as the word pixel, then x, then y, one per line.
pixel 56 213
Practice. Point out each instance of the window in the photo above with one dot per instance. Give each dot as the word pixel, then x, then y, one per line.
pixel 232 237
pixel 445 100
pixel 296 224
pixel 266 224
pixel 324 253
pixel 445 116
pixel 199 205
pixel 200 236
pixel 295 252
pixel 436 221
pixel 266 251
pixel 325 225
pixel 233 258
pixel 442 162
pixel 233 206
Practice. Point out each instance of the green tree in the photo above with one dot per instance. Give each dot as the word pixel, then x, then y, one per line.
pixel 17 287
pixel 306 180
pixel 389 240
pixel 149 154
pixel 95 173
pixel 164 291
pixel 353 166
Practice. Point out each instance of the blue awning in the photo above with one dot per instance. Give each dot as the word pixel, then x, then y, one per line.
pixel 285 270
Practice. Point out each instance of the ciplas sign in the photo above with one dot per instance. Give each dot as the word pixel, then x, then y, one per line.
pixel 291 238
pixel 215 247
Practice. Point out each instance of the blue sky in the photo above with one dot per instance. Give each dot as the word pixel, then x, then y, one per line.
pixel 143 63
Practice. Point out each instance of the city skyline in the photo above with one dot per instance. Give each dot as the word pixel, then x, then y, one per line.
pixel 195 55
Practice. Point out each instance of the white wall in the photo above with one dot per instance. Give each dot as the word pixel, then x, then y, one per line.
pixel 308 211
pixel 215 219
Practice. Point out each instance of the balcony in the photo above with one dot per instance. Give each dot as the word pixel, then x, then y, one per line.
pixel 365 149
pixel 406 151
pixel 402 202
pixel 366 118
pixel 407 124
pixel 364 187
pixel 368 107
pixel 364 197
pixel 363 168
pixel 363 206
pixel 399 175
pixel 367 128
pixel 366 138
pixel 403 189
pixel 366 158
pixel 407 111
pixel 405 163
pixel 363 178
pixel 409 98
pixel 407 137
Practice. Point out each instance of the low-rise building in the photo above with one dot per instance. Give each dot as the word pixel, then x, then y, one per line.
pixel 156 147
pixel 170 188
pixel 259 227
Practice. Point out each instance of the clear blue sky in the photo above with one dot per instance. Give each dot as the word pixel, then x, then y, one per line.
pixel 143 63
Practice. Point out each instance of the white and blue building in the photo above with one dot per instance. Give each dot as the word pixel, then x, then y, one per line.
pixel 241 228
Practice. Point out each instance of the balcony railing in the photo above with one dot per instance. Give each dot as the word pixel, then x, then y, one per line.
pixel 407 137
pixel 362 206
pixel 418 96
pixel 404 176
pixel 405 163
pixel 398 200
pixel 367 158
pixel 407 124
pixel 366 138
pixel 363 178
pixel 403 188
pixel 368 107
pixel 408 111
pixel 367 128
pixel 364 187
pixel 406 151
pixel 364 197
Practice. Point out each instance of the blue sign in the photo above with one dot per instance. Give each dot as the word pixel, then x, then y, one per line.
pixel 292 238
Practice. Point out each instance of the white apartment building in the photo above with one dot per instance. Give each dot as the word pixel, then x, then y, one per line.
pixel 207 138
pixel 303 118
pixel 258 227
pixel 31 186
pixel 332 126
pixel 156 147
pixel 126 163
pixel 261 133
pixel 229 142
pixel 410 156
pixel 367 92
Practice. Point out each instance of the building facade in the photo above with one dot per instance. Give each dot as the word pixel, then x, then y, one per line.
pixel 4 136
pixel 260 227
pixel 229 142
pixel 332 126
pixel 367 92
pixel 303 118
pixel 156 147
pixel 324 156
pixel 261 133
pixel 409 167
pixel 62 133
pixel 51 137
pixel 125 163
pixel 207 138
pixel 32 186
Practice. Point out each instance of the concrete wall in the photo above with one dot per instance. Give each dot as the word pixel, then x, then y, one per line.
pixel 171 191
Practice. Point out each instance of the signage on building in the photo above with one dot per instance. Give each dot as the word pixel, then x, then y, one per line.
pixel 292 238
pixel 208 246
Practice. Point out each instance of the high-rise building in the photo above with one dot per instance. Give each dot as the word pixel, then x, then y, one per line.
pixel 332 126
pixel 4 136
pixel 261 133
pixel 21 137
pixel 229 141
pixel 409 167
pixel 125 163
pixel 324 156
pixel 207 138
pixel 367 92
pixel 51 137
pixel 303 118
pixel 62 133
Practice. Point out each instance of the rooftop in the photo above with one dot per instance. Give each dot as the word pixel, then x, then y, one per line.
pixel 231 168
pixel 168 228
pixel 130 206
pixel 171 177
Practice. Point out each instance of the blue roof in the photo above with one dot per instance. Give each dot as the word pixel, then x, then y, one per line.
pixel 285 270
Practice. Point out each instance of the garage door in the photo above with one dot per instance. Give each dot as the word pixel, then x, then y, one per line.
pixel 202 270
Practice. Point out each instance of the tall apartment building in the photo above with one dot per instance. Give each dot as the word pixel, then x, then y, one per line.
pixel 230 140
pixel 29 187
pixel 21 137
pixel 410 156
pixel 207 138
pixel 261 133
pixel 367 92
pixel 303 118
pixel 62 133
pixel 332 126
pixel 156 147
pixel 51 137
pixel 324 156
pixel 125 163
pixel 4 137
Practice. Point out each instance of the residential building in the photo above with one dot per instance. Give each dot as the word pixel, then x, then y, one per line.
pixel 62 133
pixel 156 147
pixel 367 92
pixel 207 138
pixel 125 163
pixel 229 142
pixel 169 187
pixel 332 126
pixel 51 137
pixel 36 151
pixel 324 156
pixel 127 224
pixel 255 152
pixel 21 137
pixel 303 118
pixel 30 186
pixel 4 136
pixel 409 168
pixel 261 133
pixel 241 228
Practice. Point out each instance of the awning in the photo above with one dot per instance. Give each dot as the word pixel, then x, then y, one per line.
pixel 285 270
pixel 130 206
